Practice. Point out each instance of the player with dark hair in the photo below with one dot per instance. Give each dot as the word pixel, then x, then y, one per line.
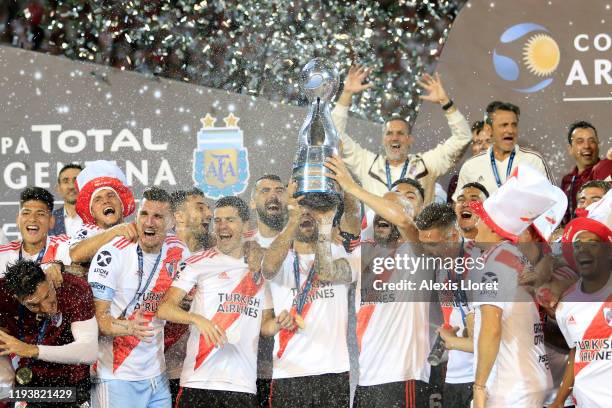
pixel 67 221
pixel 128 280
pixel 493 167
pixel 52 331
pixel 465 215
pixel 583 147
pixel 220 367
pixel 441 237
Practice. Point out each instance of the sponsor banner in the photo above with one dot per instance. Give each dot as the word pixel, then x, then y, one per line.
pixel 551 58
pixel 160 132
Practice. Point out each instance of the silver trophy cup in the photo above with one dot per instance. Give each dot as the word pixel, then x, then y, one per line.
pixel 318 138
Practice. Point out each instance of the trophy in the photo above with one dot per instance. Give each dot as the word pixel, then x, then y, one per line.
pixel 318 138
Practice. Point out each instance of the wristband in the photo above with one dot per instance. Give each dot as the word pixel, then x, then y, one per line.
pixel 480 387
pixel 448 105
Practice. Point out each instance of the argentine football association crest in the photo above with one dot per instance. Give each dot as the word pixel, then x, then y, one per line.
pixel 220 161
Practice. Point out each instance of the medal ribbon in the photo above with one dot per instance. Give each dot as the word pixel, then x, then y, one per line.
pixel 388 170
pixel 508 169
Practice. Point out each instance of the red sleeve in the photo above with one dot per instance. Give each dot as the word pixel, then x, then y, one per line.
pixel 77 299
pixel 602 170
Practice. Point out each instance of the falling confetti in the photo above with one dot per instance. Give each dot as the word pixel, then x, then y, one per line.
pixel 247 46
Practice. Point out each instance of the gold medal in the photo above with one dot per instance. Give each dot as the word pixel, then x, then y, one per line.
pixel 299 322
pixel 24 375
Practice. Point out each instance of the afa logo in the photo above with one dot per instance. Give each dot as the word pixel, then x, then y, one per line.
pixel 538 51
pixel 220 161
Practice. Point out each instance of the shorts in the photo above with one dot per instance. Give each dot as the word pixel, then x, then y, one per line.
pixel 198 397
pixel 150 393
pixel 325 390
pixel 400 394
pixel 457 395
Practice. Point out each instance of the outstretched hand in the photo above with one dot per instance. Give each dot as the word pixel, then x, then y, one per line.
pixel 434 88
pixel 354 82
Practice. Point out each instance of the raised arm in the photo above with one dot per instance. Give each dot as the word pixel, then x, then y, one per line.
pixel 327 268
pixel 356 157
pixel 85 250
pixel 277 251
pixel 389 210
pixel 440 159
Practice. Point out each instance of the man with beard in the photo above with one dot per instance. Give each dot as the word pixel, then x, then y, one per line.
pixel 103 202
pixel 269 199
pixel 128 280
pixel 311 359
pixel 584 314
pixel 377 172
pixel 192 216
pixel 466 218
pixel 220 365
pixel 67 221
pixel 441 238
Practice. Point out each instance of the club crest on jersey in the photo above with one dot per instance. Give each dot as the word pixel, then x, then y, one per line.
pixel 172 268
pixel 608 315
pixel 220 161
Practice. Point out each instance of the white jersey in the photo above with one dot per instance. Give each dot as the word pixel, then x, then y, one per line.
pixel 321 347
pixel 586 324
pixel 520 376
pixel 114 276
pixel 460 366
pixel 392 335
pixel 478 168
pixel 12 252
pixel 231 296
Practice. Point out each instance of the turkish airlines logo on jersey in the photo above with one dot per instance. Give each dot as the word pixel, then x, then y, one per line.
pixel 608 315
pixel 223 275
pixel 104 258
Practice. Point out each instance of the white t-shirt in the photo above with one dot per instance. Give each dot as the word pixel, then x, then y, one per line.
pixel 321 347
pixel 232 297
pixel 72 224
pixel 460 366
pixel 586 324
pixel 478 168
pixel 520 376
pixel 9 253
pixel 392 336
pixel 113 276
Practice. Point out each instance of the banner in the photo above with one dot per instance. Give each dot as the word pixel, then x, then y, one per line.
pixel 551 58
pixel 160 132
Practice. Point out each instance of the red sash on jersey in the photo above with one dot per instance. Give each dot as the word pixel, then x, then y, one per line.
pixel 363 319
pixel 247 286
pixel 284 336
pixel 366 311
pixel 124 345
pixel 598 329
